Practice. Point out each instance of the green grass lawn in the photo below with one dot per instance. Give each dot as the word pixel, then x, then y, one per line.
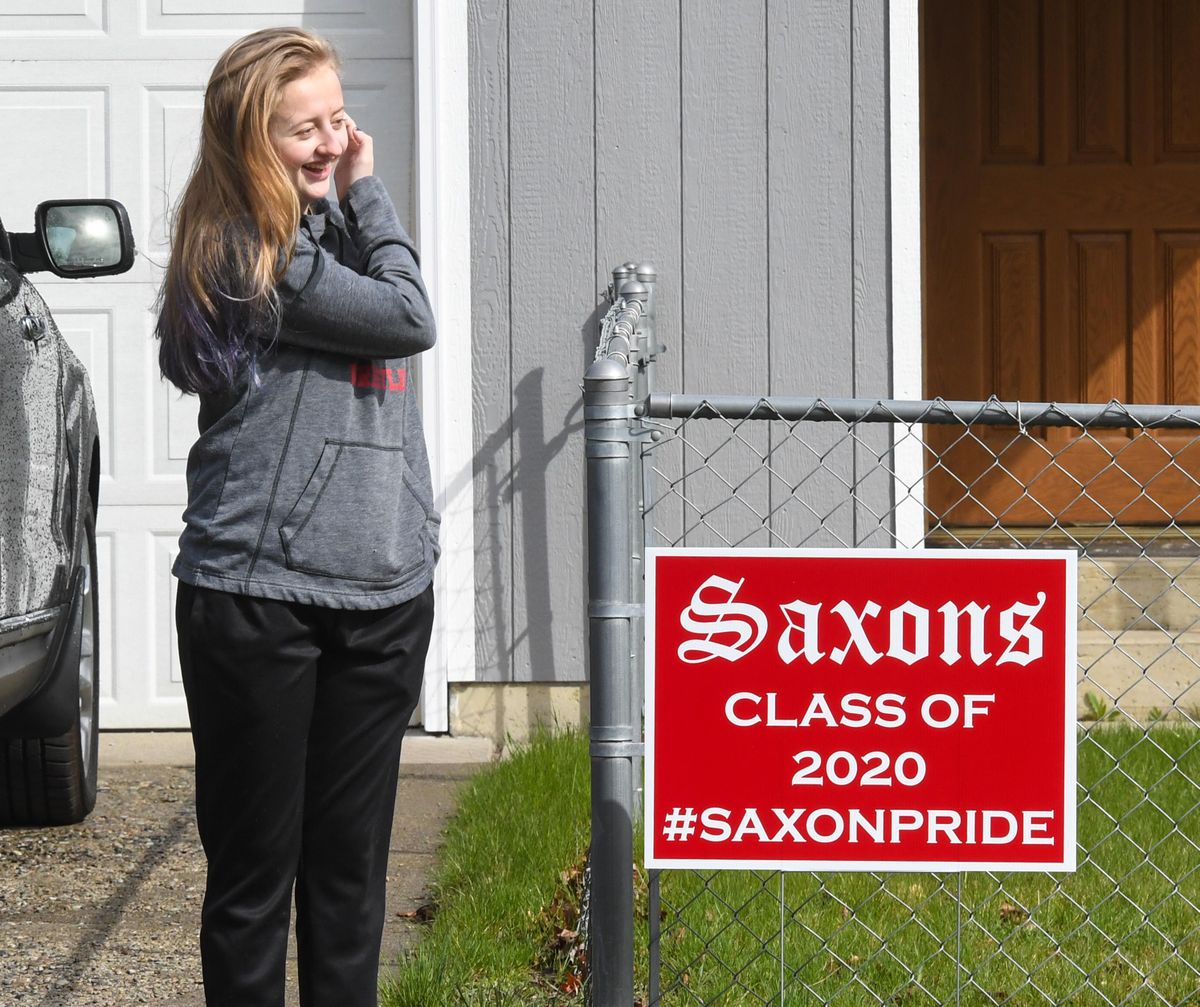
pixel 1123 929
pixel 520 824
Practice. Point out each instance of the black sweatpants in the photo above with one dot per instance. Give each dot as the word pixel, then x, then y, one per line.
pixel 297 717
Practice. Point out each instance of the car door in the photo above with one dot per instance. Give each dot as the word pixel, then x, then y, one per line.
pixel 33 547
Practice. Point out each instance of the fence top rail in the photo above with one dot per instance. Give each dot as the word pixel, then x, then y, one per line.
pixel 991 412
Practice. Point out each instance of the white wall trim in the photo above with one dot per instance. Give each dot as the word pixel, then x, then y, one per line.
pixel 443 188
pixel 904 88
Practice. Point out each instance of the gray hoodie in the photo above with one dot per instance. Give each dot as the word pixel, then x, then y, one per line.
pixel 312 484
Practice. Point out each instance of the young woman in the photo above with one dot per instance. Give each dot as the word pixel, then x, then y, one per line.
pixel 291 303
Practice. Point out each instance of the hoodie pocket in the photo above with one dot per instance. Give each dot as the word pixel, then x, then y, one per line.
pixel 360 517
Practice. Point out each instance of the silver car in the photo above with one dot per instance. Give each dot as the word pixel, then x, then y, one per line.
pixel 49 492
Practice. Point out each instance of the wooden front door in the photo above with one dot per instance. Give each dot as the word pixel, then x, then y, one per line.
pixel 1061 145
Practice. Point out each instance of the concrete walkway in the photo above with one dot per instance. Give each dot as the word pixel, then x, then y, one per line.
pixel 107 912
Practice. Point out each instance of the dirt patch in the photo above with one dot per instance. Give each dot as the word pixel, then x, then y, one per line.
pixel 107 913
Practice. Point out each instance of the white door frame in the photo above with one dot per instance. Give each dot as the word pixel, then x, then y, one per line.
pixel 443 189
pixel 904 90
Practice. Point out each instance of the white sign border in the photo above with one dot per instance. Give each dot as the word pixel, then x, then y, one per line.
pixel 1069 558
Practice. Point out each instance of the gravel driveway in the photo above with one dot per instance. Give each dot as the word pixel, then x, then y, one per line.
pixel 106 913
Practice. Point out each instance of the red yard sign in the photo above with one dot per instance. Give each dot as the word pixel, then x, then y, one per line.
pixel 860 709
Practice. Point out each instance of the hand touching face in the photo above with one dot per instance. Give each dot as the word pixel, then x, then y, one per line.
pixel 358 161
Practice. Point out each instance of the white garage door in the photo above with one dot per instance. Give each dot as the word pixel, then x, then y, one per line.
pixel 102 98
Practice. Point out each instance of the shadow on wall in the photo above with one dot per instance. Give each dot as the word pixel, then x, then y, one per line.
pixel 522 488
pixel 522 599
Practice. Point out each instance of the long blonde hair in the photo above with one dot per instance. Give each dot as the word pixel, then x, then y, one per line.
pixel 234 228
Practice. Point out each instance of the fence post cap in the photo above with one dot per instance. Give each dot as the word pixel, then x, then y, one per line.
pixel 606 369
pixel 647 272
pixel 632 290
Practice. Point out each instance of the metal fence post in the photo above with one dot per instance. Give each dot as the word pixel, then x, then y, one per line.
pixel 614 742
pixel 637 295
pixel 648 350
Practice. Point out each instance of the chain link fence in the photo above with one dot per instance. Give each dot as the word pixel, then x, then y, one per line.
pixel 1119 484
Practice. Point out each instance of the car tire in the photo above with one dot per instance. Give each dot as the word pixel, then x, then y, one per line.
pixel 52 781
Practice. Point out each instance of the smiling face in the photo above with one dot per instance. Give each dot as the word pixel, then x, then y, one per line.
pixel 308 131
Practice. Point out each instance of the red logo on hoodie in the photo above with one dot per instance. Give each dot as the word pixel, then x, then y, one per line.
pixel 393 379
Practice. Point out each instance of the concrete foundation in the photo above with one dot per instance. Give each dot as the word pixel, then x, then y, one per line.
pixel 1139 634
pixel 508 712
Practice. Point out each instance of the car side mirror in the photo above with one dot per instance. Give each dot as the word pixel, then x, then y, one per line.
pixel 76 238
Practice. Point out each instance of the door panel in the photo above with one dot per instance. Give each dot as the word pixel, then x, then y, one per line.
pixel 1061 145
pixel 1177 95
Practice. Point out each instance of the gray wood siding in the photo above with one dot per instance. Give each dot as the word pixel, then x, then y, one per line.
pixel 740 145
